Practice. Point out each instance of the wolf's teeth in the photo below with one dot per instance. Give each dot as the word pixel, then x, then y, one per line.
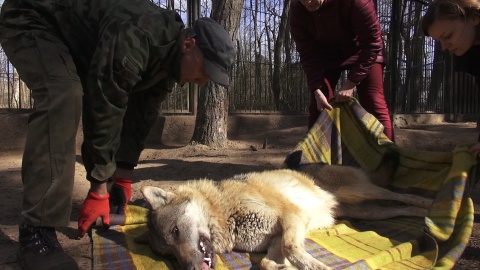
pixel 201 244
pixel 207 259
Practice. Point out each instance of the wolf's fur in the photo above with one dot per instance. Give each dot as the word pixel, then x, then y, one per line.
pixel 267 211
pixel 256 212
pixel 358 192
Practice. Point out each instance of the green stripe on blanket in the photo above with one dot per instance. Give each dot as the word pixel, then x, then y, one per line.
pixel 350 136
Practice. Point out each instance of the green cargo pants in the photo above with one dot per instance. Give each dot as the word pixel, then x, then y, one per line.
pixel 45 65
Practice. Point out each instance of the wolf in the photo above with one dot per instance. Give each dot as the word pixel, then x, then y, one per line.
pixel 269 211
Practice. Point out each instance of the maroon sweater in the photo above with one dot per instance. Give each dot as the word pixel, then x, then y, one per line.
pixel 340 34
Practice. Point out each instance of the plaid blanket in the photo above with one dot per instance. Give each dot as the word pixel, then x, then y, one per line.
pixel 346 135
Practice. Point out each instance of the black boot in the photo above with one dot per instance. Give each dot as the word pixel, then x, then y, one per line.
pixel 40 250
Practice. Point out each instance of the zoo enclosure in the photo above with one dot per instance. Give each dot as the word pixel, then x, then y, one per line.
pixel 267 76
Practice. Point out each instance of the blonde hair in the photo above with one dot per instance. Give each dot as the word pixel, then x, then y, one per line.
pixel 450 10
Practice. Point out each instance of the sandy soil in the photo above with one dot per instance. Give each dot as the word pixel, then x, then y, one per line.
pixel 169 164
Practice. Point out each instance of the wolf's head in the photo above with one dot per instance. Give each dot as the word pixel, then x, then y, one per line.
pixel 177 225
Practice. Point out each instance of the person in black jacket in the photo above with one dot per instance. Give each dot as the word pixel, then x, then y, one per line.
pixel 456 25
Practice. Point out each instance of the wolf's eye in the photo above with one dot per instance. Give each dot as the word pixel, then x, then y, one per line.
pixel 175 232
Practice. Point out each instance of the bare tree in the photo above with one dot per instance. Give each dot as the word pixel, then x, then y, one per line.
pixel 212 110
pixel 414 53
pixel 257 47
pixel 438 72
pixel 277 62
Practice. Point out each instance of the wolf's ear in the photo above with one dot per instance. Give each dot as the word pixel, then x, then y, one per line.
pixel 156 196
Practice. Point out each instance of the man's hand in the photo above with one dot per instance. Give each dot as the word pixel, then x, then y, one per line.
pixel 322 102
pixel 345 92
pixel 94 206
pixel 120 195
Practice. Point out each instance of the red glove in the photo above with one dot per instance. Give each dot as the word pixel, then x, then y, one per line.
pixel 120 195
pixel 93 207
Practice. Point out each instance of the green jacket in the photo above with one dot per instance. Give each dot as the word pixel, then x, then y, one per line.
pixel 119 47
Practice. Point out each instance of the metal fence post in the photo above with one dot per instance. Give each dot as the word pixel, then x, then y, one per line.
pixel 193 13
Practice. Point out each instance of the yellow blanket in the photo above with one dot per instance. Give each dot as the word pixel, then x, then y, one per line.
pixel 347 135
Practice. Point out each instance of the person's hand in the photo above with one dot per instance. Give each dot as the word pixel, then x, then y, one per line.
pixel 120 195
pixel 345 92
pixel 322 102
pixel 93 206
pixel 475 148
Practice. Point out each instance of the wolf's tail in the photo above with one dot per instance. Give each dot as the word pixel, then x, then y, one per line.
pixel 381 177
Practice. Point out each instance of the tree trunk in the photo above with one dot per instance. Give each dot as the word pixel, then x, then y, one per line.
pixel 257 50
pixel 212 110
pixel 416 59
pixel 277 62
pixel 437 78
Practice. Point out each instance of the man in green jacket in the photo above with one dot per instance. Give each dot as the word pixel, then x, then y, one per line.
pixel 112 62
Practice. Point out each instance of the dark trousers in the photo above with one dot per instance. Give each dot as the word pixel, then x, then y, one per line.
pixel 370 95
pixel 48 166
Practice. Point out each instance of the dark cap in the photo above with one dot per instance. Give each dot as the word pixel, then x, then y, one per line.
pixel 217 48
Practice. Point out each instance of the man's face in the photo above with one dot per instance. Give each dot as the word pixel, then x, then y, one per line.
pixel 456 36
pixel 192 64
pixel 312 5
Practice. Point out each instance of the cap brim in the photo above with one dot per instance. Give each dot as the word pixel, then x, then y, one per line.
pixel 216 73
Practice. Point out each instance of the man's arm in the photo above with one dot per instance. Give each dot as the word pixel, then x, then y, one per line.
pixel 114 72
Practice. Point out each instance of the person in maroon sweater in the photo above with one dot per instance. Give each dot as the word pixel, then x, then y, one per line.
pixel 333 36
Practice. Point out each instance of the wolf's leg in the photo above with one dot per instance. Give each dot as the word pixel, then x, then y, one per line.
pixel 294 232
pixel 274 258
pixel 373 192
pixel 371 211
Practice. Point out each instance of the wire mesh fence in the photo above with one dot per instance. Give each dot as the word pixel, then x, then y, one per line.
pixel 267 76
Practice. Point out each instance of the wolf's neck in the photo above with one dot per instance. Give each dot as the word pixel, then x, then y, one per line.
pixel 215 210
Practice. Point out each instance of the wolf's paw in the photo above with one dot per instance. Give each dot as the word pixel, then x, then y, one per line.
pixel 315 265
pixel 284 267
pixel 288 267
pixel 271 265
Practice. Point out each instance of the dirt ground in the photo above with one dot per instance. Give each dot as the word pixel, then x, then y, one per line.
pixel 169 164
